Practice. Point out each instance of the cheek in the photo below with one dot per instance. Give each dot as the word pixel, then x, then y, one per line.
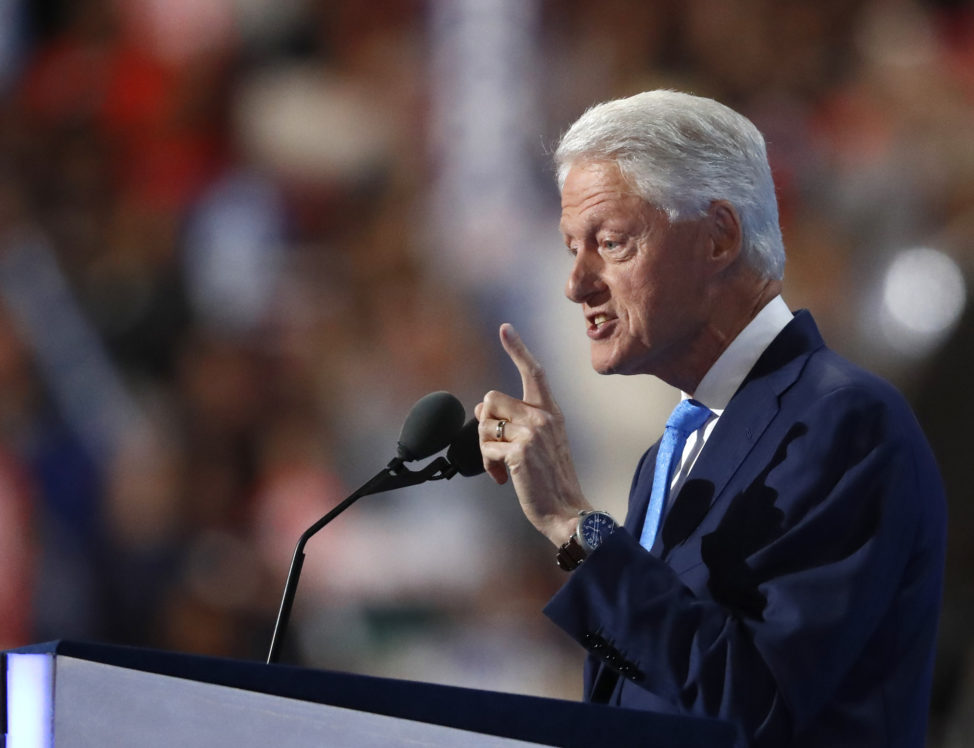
pixel 641 307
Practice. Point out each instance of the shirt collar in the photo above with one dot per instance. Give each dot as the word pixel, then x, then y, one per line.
pixel 728 372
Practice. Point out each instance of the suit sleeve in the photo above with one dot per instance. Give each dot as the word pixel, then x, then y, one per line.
pixel 805 561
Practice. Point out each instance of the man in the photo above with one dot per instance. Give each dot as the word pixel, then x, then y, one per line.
pixel 785 573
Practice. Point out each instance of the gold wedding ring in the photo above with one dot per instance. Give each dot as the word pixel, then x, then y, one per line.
pixel 499 431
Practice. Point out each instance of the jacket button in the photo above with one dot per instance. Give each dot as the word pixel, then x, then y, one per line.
pixel 594 642
pixel 631 672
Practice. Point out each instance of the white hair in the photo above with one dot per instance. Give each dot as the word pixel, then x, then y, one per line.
pixel 680 153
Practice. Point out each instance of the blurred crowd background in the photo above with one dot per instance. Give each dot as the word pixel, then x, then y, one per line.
pixel 239 238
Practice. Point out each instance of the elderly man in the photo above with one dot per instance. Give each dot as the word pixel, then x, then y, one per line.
pixel 780 565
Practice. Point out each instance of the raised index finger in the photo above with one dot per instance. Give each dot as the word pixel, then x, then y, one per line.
pixel 533 379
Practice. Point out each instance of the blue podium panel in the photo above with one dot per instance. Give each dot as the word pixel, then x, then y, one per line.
pixel 73 694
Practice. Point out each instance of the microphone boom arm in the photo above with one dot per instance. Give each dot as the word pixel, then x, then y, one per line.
pixel 394 475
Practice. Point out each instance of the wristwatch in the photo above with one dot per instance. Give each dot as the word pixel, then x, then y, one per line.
pixel 593 528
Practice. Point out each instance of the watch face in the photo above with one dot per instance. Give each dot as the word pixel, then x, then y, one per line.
pixel 594 528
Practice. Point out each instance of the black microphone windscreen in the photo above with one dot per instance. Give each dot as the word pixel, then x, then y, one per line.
pixel 464 453
pixel 431 425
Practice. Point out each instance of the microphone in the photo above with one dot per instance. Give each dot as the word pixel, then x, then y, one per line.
pixel 464 453
pixel 434 422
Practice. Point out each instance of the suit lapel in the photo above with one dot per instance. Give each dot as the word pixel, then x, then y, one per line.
pixel 642 486
pixel 737 431
pixel 747 416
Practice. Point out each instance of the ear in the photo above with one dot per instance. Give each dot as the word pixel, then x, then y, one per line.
pixel 725 233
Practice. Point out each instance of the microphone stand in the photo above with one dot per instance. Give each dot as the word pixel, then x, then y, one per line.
pixel 394 475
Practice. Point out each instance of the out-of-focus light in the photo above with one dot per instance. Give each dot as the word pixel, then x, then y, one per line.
pixel 30 689
pixel 924 295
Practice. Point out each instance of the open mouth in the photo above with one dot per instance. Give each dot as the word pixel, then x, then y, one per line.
pixel 600 325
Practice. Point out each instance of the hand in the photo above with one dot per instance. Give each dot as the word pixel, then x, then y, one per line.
pixel 534 447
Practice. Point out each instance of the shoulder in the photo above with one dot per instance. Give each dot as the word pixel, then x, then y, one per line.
pixel 856 429
pixel 834 415
pixel 832 388
pixel 820 381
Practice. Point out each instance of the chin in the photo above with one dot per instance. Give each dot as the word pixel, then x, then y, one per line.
pixel 609 367
pixel 614 363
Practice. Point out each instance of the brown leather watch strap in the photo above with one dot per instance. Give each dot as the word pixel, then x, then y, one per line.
pixel 570 555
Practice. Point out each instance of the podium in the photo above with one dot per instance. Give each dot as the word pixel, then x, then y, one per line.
pixel 76 694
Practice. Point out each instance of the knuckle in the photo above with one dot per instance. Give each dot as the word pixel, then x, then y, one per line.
pixel 543 419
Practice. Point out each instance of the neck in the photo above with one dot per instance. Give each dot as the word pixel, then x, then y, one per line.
pixel 730 314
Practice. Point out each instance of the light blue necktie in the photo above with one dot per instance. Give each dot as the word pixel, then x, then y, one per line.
pixel 686 418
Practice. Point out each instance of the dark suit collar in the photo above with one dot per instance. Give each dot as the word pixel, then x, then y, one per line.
pixel 790 349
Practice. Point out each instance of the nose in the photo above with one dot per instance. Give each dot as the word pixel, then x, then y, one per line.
pixel 584 279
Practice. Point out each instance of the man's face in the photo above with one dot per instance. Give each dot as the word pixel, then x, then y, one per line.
pixel 640 279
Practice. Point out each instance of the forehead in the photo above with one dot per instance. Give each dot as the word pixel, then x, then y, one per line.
pixel 593 189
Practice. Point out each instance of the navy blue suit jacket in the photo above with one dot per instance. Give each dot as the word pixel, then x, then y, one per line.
pixel 795 585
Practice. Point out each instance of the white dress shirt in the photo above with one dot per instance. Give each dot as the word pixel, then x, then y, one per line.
pixel 725 376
